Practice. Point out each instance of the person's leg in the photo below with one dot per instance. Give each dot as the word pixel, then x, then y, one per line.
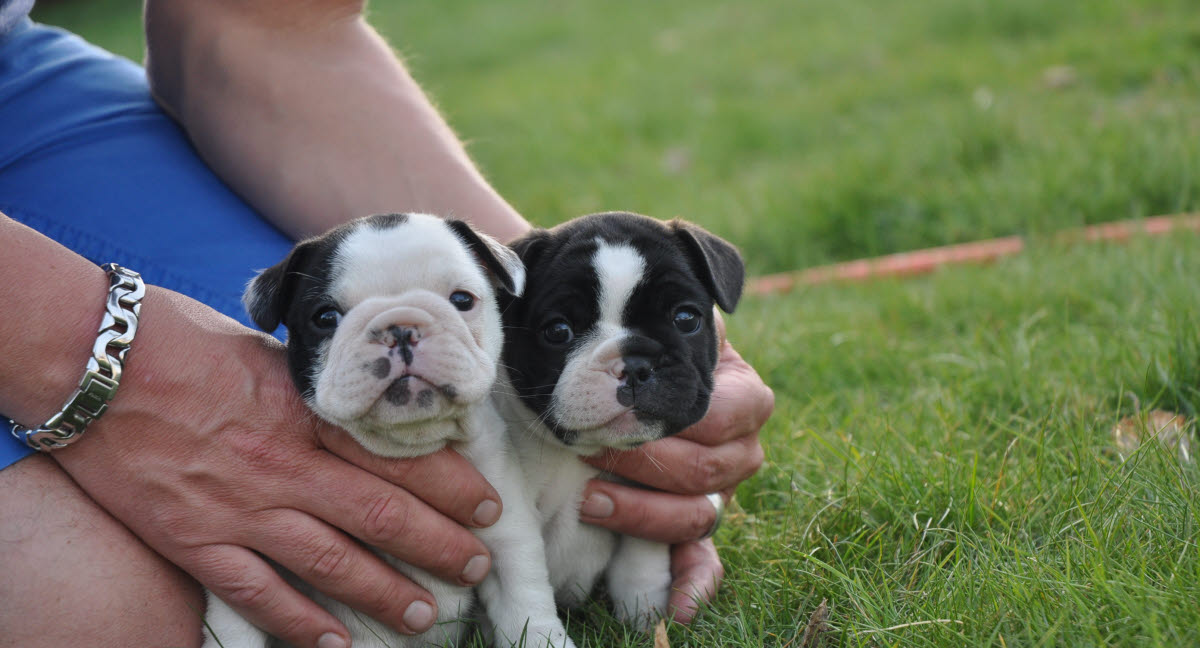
pixel 74 576
pixel 89 160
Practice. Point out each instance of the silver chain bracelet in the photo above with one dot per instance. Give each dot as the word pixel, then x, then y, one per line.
pixel 103 375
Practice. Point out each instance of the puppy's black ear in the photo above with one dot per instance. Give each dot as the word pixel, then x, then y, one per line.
pixel 531 246
pixel 502 263
pixel 267 295
pixel 529 249
pixel 720 264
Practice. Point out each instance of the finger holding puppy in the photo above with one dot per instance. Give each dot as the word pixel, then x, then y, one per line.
pixel 662 517
pixel 472 502
pixel 396 521
pixel 696 575
pixel 677 465
pixel 346 571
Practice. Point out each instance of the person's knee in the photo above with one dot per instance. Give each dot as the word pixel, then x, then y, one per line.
pixel 74 576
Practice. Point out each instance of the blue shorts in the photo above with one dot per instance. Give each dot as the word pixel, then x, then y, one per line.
pixel 88 159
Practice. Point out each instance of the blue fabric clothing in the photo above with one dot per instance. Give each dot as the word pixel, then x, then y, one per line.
pixel 88 159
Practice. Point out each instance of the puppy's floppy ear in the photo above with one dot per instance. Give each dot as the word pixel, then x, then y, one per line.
pixel 503 264
pixel 530 246
pixel 267 295
pixel 719 263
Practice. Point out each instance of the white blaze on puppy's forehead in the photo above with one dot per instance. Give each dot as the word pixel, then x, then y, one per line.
pixel 420 252
pixel 620 269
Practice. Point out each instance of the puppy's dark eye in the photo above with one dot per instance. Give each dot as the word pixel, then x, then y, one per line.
pixel 327 318
pixel 558 332
pixel 687 320
pixel 462 300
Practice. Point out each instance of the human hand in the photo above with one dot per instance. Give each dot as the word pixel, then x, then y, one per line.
pixel 211 458
pixel 714 455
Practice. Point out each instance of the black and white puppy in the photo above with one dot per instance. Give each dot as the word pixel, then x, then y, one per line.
pixel 394 335
pixel 612 345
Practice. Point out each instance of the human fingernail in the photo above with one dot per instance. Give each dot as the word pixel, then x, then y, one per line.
pixel 419 616
pixel 486 513
pixel 476 569
pixel 597 505
pixel 331 640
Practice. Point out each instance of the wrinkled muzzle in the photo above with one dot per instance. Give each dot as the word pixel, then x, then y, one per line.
pixel 400 360
pixel 621 391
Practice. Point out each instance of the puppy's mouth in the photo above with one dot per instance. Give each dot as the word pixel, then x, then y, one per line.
pixel 624 431
pixel 412 388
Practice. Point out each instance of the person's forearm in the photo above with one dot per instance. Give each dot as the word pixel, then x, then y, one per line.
pixel 51 316
pixel 306 112
pixel 55 316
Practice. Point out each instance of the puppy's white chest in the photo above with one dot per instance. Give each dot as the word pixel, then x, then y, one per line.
pixel 576 553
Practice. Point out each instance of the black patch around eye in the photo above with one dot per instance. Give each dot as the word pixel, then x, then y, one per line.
pixel 558 332
pixel 687 320
pixel 326 319
pixel 462 300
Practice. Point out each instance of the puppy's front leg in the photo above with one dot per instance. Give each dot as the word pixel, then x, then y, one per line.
pixel 639 581
pixel 517 594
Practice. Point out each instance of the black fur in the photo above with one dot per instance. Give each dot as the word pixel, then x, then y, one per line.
pixel 670 373
pixel 291 292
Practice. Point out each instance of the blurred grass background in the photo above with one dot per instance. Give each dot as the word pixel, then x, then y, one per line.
pixel 807 131
pixel 940 466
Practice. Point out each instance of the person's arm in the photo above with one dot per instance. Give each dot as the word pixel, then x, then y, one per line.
pixel 208 454
pixel 306 112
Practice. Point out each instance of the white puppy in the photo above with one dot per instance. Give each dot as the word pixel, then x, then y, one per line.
pixel 394 335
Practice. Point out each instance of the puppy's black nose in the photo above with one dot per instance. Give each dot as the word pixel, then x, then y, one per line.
pixel 403 339
pixel 638 371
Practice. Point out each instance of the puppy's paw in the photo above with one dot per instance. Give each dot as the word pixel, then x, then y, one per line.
pixel 571 596
pixel 639 582
pixel 550 636
pixel 641 609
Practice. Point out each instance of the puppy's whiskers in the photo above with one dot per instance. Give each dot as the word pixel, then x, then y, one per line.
pixel 653 461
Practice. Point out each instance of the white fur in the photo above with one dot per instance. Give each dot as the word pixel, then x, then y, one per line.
pixel 620 269
pixel 638 572
pixel 403 276
pixel 423 254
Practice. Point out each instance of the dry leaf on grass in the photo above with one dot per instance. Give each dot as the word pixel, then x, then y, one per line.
pixel 660 635
pixel 1172 431
pixel 814 633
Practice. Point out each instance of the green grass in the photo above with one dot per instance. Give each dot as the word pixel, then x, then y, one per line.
pixel 807 131
pixel 942 451
pixel 940 466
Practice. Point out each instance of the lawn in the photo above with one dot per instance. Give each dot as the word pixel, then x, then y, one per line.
pixel 940 467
